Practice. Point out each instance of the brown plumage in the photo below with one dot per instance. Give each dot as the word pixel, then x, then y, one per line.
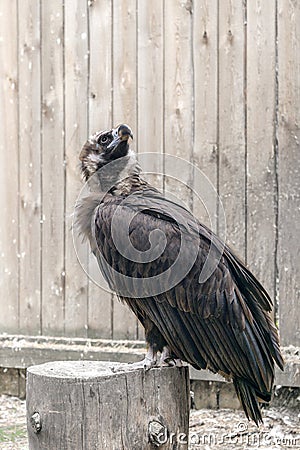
pixel 222 324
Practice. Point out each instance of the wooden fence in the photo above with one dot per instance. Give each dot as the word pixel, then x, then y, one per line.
pixel 214 82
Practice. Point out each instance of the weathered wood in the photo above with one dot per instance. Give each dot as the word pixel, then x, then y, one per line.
pixel 100 65
pixel 99 117
pixel 216 395
pixel 98 405
pixel 232 121
pixel 150 77
pixel 124 62
pixel 9 151
pixel 181 73
pixel 205 156
pixel 76 80
pixel 150 84
pixel 24 351
pixel 178 98
pixel 149 133
pixel 53 169
pixel 30 166
pixel 290 376
pixel 124 106
pixel 261 195
pixel 12 382
pixel 289 171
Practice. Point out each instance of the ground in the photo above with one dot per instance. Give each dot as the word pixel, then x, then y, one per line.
pixel 229 429
pixel 209 429
pixel 12 423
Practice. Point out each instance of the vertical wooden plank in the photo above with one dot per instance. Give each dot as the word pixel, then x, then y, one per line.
pixel 30 166
pixel 261 209
pixel 149 136
pixel 124 63
pixel 232 121
pixel 76 84
pixel 53 170
pixel 178 77
pixel 124 110
pixel 206 103
pixel 100 75
pixel 9 223
pixel 100 117
pixel 149 133
pixel 288 170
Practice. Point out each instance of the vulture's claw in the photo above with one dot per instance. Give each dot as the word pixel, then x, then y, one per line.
pixel 168 359
pixel 148 362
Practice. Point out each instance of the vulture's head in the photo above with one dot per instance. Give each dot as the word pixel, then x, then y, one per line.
pixel 104 147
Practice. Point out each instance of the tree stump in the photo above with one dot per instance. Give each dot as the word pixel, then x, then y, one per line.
pixel 93 405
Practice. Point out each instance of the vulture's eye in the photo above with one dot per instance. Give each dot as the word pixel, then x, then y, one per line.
pixel 103 139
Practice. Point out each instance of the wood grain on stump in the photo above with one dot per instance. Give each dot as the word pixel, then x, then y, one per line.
pixel 90 405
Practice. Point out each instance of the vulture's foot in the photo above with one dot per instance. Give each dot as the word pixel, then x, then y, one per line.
pixel 168 359
pixel 148 362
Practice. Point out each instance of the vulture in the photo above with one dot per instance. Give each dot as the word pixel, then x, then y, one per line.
pixel 153 253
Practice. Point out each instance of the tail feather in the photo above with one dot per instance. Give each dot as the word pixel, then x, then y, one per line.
pixel 249 400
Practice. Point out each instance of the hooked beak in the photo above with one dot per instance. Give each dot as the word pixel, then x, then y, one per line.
pixel 121 133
